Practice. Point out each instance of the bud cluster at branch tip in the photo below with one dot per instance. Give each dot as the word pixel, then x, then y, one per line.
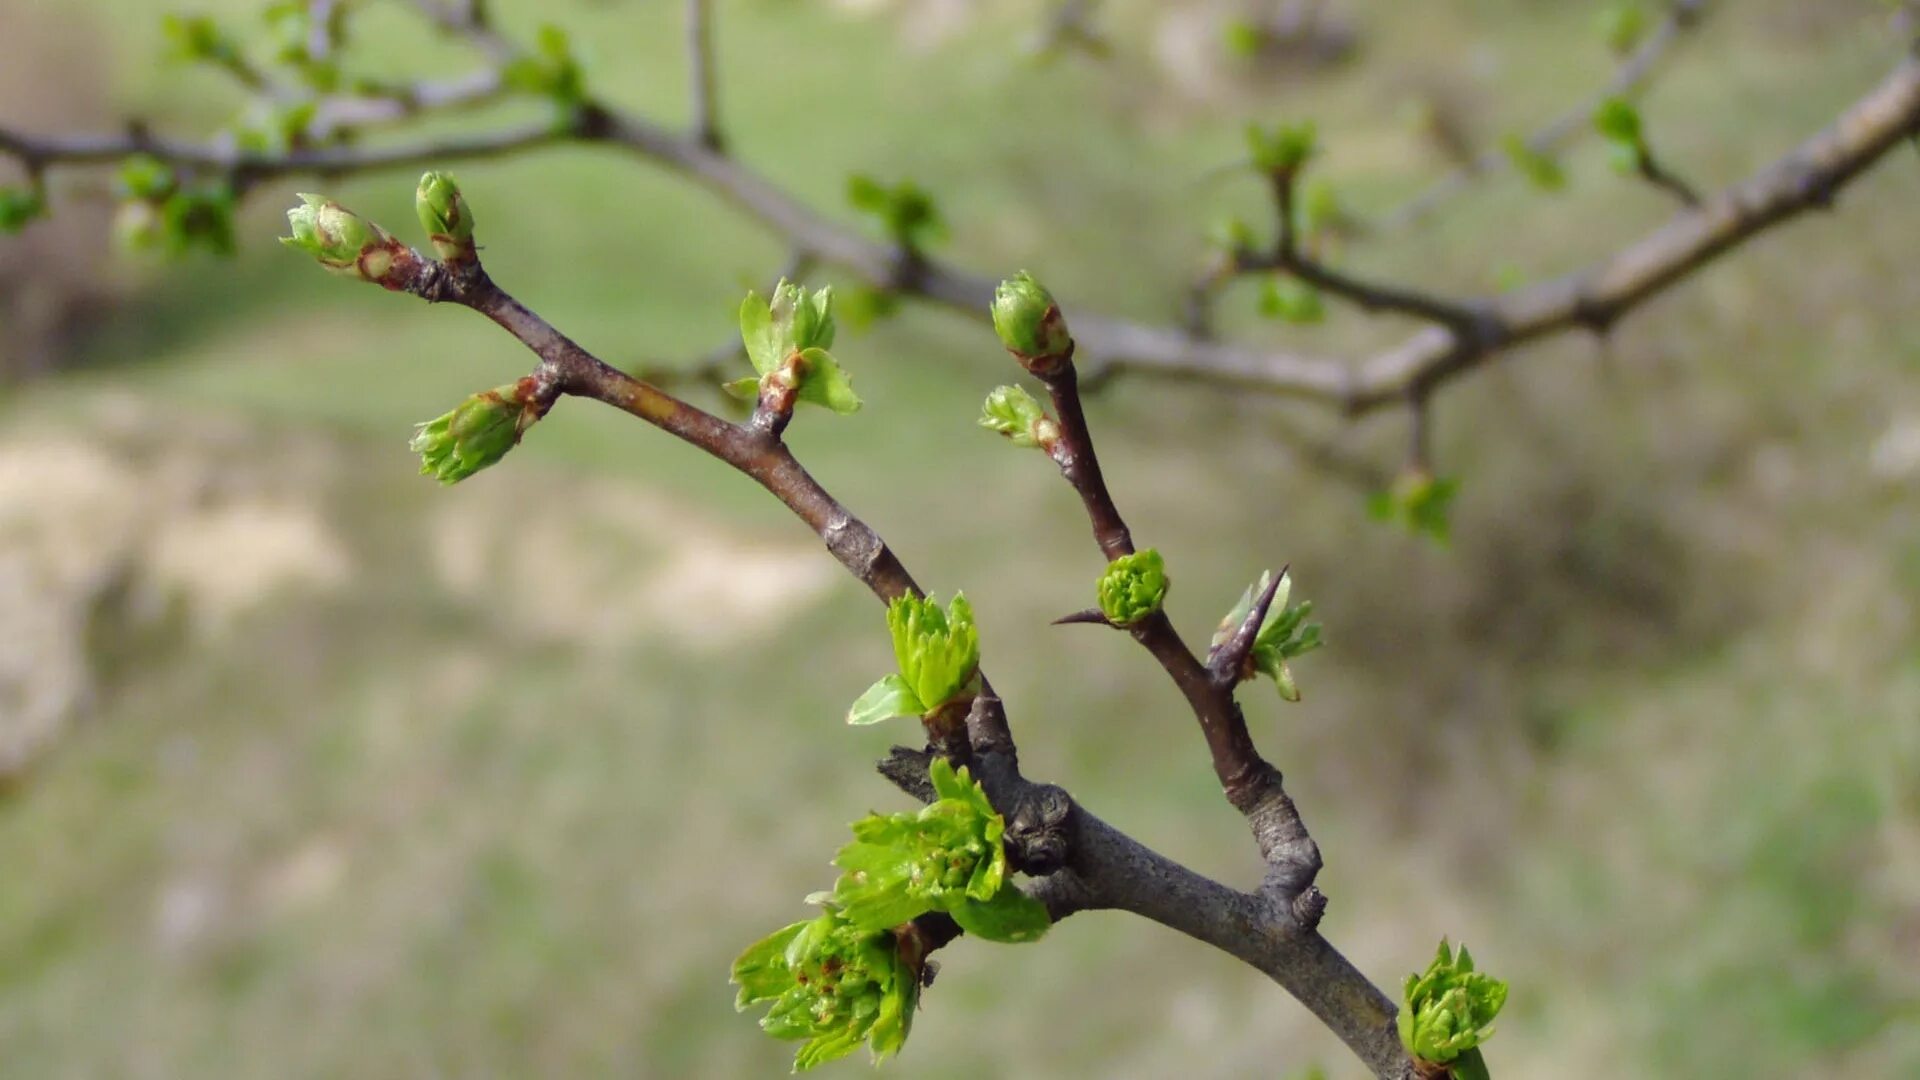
pixel 478 432
pixel 1448 1013
pixel 1030 325
pixel 938 654
pixel 341 240
pixel 787 339
pixel 1133 587
pixel 444 214
pixel 854 974
pixel 1013 412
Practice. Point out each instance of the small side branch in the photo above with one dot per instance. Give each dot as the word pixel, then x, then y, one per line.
pixel 701 74
pixel 1629 79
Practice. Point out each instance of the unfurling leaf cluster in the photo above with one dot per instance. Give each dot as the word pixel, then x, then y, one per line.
pixel 853 974
pixel 1284 633
pixel 947 856
pixel 477 433
pixel 1448 1012
pixel 787 339
pixel 1133 587
pixel 833 985
pixel 938 655
pixel 1292 301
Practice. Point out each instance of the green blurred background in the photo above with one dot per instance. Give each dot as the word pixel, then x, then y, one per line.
pixel 318 770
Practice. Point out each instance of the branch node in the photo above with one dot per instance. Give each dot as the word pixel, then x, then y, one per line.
pixel 1308 907
pixel 1039 834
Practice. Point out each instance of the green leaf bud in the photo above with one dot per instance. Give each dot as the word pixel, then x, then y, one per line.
pixel 1133 587
pixel 444 214
pixel 341 240
pixel 477 433
pixel 1622 25
pixel 1293 301
pixel 19 207
pixel 1419 502
pixel 1448 1010
pixel 1013 412
pixel 1030 324
pixel 1617 121
pixel 938 652
pixel 198 38
pixel 1282 149
pixel 904 208
pixel 144 177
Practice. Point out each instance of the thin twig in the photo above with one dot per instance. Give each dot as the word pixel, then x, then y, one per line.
pixel 700 74
pixel 1628 80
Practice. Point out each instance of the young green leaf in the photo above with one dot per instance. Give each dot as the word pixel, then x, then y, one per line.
pixel 824 383
pixel 884 700
pixel 1419 502
pixel 1282 149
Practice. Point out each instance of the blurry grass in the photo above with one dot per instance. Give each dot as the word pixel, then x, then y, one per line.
pixel 1644 738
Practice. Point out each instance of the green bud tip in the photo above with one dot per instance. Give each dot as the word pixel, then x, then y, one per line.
pixel 1133 587
pixel 444 215
pixel 1030 324
pixel 340 239
pixel 477 433
pixel 1013 412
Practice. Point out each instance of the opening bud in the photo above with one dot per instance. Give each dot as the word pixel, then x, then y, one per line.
pixel 1030 324
pixel 444 214
pixel 477 433
pixel 341 240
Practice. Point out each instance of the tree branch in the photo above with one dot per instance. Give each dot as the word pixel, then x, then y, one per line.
pixel 1089 864
pixel 700 74
pixel 1628 80
pixel 1251 783
pixel 1809 177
